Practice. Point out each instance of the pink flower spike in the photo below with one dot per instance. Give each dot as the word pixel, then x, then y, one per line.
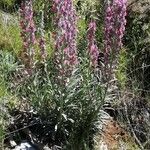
pixel 66 22
pixel 92 47
pixel 28 29
pixel 114 25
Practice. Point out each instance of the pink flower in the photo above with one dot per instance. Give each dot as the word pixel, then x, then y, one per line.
pixel 66 32
pixel 92 47
pixel 114 25
pixel 28 29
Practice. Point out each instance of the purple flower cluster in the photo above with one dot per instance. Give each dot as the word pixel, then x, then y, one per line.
pixel 114 25
pixel 67 31
pixel 92 47
pixel 28 29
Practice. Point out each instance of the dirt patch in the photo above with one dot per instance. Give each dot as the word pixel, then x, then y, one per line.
pixel 114 137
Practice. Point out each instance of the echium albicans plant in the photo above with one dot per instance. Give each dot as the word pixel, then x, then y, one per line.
pixel 67 91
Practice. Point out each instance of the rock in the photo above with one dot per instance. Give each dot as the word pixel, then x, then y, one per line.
pixel 26 146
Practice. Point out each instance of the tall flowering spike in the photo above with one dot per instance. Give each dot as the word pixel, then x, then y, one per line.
pixel 114 25
pixel 27 32
pixel 92 47
pixel 65 43
pixel 42 43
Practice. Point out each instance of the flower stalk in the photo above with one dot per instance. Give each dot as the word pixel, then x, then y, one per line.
pixel 42 44
pixel 27 32
pixel 92 47
pixel 114 25
pixel 65 39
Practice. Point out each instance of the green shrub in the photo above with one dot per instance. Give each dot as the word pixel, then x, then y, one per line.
pixel 10 38
pixel 7 3
pixel 121 73
pixel 7 65
pixel 138 44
